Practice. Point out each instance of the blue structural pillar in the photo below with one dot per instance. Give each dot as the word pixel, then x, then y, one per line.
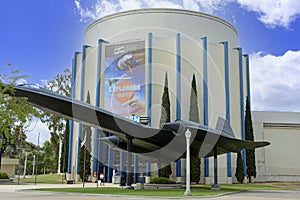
pixel 248 78
pixel 178 95
pixel 227 93
pixel 122 170
pixel 74 64
pixel 70 147
pixel 205 97
pixel 242 108
pixel 110 164
pixel 135 169
pixel 149 104
pixel 101 157
pixel 81 99
pixel 98 152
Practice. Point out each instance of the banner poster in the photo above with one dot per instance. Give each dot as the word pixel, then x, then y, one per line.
pixel 124 90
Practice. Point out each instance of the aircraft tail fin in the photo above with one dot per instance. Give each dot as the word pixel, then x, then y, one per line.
pixel 224 126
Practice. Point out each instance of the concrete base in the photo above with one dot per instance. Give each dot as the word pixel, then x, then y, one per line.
pixel 208 180
pixel 139 186
pixel 252 179
pixel 70 179
pixel 188 193
pixel 229 180
pixel 179 180
pixel 6 181
pixel 147 179
pixel 275 178
pixel 162 186
pixel 127 187
pixel 215 187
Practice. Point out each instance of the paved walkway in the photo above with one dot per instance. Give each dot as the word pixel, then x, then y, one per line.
pixel 9 192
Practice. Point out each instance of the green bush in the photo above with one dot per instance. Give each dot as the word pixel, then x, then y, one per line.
pixel 161 180
pixel 3 175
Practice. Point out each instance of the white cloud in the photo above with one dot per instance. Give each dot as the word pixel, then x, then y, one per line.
pixel 36 127
pixel 273 13
pixel 101 8
pixel 275 82
pixel 105 7
pixel 130 4
pixel 207 6
pixel 21 81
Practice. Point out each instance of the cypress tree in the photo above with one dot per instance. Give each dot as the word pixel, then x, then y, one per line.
pixel 65 147
pixel 85 164
pixel 165 117
pixel 239 173
pixel 194 116
pixel 165 104
pixel 250 154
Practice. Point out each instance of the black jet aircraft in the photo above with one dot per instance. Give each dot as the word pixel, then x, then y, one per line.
pixel 167 143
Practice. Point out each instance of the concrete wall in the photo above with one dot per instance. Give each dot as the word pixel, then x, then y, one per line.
pixel 279 161
pixel 8 166
pixel 164 22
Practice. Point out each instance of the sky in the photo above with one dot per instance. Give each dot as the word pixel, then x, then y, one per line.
pixel 39 37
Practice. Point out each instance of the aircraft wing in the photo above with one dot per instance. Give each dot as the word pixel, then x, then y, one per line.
pixel 204 139
pixel 168 143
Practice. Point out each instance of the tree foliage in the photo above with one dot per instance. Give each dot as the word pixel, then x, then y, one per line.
pixel 239 174
pixel 165 117
pixel 15 112
pixel 84 155
pixel 49 158
pixel 61 84
pixel 194 116
pixel 250 154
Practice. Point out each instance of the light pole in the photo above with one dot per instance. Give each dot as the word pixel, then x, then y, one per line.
pixel 36 162
pixel 188 167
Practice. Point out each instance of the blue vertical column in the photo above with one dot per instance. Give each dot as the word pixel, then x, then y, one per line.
pixel 248 78
pixel 122 170
pixel 135 168
pixel 178 93
pixel 149 104
pixel 110 164
pixel 242 108
pixel 205 98
pixel 96 162
pixel 74 64
pixel 227 93
pixel 101 155
pixel 81 99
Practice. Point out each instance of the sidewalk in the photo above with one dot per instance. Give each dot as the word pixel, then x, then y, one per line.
pixel 15 187
pixel 8 192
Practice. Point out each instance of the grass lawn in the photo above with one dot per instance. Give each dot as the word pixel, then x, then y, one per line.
pixel 47 178
pixel 119 191
pixel 197 190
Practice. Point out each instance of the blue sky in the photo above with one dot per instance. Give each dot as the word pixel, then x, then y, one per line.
pixel 39 37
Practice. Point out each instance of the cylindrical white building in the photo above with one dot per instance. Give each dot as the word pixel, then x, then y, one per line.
pixel 123 65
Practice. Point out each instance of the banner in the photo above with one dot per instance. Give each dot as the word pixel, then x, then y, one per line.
pixel 124 90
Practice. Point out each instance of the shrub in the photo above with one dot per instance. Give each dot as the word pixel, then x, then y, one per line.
pixel 161 180
pixel 3 175
pixel 239 174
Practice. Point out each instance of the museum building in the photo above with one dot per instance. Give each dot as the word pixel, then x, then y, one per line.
pixel 123 66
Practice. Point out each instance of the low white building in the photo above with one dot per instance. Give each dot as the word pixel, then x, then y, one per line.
pixel 280 160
